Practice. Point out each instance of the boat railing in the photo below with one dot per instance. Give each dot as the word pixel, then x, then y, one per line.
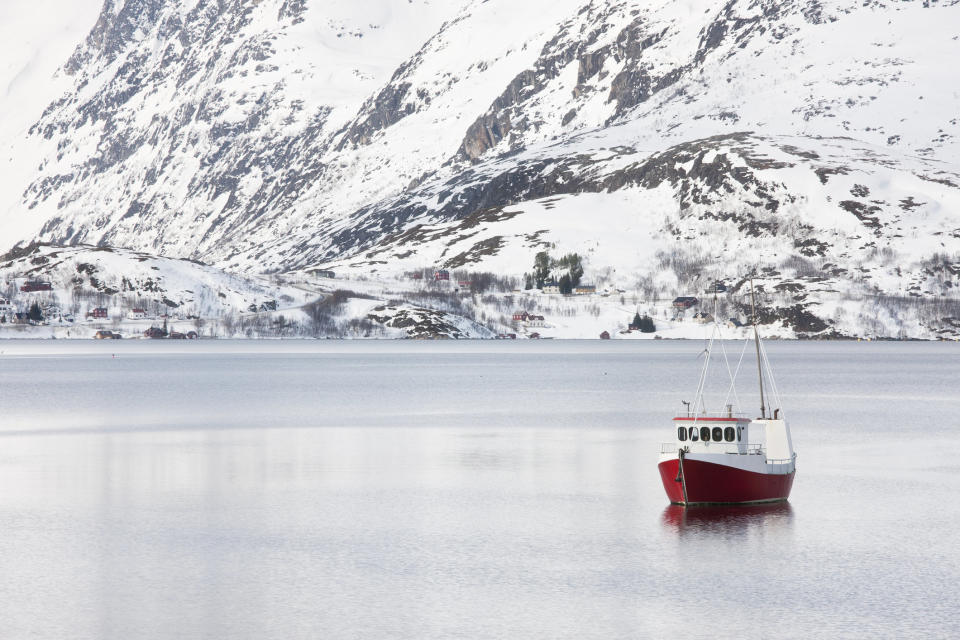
pixel 782 460
pixel 750 449
pixel 710 414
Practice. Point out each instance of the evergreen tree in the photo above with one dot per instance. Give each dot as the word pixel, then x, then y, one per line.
pixel 576 269
pixel 566 287
pixel 573 265
pixel 636 320
pixel 541 268
pixel 527 281
pixel 35 314
pixel 647 325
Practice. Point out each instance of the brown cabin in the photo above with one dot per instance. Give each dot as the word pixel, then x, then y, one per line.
pixel 36 285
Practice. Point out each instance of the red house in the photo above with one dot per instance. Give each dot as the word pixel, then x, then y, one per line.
pixel 685 302
pixel 99 312
pixel 441 274
pixel 36 285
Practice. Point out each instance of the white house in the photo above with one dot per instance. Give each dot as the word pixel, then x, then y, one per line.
pixel 702 317
pixel 536 321
pixel 137 314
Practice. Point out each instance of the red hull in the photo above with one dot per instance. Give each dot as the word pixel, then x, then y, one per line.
pixel 708 483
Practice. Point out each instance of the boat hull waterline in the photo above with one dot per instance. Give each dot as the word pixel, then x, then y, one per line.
pixel 711 483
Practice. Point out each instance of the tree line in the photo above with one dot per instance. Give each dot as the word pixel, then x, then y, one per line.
pixel 546 269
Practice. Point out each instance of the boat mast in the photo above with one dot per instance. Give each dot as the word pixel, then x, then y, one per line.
pixel 756 339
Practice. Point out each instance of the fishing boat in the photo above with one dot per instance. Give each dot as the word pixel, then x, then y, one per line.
pixel 727 457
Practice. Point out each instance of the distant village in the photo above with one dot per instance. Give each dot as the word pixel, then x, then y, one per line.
pixel 527 324
pixel 552 301
pixel 25 308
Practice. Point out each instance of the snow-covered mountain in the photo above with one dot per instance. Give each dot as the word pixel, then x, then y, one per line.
pixel 668 142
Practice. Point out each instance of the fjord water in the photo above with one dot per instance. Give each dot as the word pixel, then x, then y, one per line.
pixel 462 490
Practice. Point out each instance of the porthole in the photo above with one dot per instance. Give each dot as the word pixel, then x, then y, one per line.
pixel 729 434
pixel 693 434
pixel 705 434
pixel 682 434
pixel 717 434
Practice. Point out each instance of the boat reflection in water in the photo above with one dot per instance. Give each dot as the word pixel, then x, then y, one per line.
pixel 727 519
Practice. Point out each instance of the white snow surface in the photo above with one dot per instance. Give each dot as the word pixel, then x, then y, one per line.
pixel 180 291
pixel 36 38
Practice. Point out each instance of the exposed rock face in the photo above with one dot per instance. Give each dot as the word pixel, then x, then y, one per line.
pixel 639 72
pixel 426 324
pixel 506 112
pixel 292 10
pixel 115 30
pixel 386 109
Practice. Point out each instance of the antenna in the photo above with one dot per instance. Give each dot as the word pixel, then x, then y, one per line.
pixel 756 338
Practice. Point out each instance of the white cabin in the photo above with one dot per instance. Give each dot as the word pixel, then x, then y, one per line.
pixel 733 434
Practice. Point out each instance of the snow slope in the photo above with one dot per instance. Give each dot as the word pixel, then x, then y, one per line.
pixel 84 278
pixel 37 37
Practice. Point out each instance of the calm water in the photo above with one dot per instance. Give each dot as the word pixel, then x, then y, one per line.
pixel 468 490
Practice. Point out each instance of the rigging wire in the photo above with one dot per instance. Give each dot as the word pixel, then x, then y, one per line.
pixel 726 361
pixel 698 399
pixel 699 403
pixel 733 377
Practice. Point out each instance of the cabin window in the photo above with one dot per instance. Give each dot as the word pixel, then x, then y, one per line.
pixel 693 434
pixel 682 434
pixel 717 434
pixel 705 434
pixel 739 433
pixel 729 434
